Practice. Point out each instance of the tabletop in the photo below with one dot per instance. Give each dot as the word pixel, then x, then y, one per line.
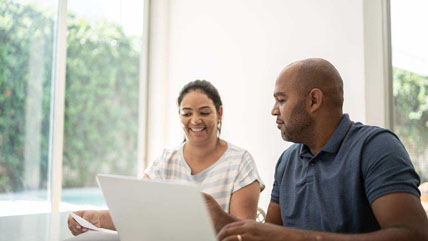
pixel 35 227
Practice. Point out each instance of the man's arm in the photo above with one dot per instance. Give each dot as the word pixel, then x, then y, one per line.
pixel 220 218
pixel 273 214
pixel 400 216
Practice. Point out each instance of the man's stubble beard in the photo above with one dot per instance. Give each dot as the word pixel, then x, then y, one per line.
pixel 299 126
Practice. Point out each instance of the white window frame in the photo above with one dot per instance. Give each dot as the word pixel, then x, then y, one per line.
pixel 56 133
pixel 378 63
pixel 58 99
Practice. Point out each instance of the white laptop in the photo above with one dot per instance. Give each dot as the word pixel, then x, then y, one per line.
pixel 156 211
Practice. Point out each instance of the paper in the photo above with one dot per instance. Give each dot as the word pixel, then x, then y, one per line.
pixel 95 236
pixel 89 225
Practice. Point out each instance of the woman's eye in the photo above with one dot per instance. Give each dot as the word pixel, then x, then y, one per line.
pixel 186 114
pixel 205 113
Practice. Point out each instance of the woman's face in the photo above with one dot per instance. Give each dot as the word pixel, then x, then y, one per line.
pixel 199 117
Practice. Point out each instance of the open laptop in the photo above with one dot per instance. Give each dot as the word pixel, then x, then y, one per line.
pixel 156 211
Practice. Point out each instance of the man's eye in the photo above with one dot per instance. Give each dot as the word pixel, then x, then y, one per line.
pixel 186 114
pixel 281 100
pixel 205 113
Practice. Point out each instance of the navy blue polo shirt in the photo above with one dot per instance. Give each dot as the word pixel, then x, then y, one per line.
pixel 333 191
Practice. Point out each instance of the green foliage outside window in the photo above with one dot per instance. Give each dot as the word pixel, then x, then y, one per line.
pixel 101 102
pixel 19 26
pixel 411 116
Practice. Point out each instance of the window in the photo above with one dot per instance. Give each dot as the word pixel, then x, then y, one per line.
pixel 101 96
pixel 26 50
pixel 410 79
pixel 101 113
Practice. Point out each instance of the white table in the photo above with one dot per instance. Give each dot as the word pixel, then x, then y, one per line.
pixel 45 226
pixel 35 227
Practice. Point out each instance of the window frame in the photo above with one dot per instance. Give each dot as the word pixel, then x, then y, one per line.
pixel 56 135
pixel 378 63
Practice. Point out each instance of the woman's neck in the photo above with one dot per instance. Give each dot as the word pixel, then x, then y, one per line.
pixel 197 151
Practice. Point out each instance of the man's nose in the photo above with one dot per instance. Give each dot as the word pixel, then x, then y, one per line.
pixel 275 111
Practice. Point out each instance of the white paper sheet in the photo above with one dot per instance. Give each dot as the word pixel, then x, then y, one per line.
pixel 89 225
pixel 95 236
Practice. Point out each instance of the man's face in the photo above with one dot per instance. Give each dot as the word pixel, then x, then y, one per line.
pixel 291 116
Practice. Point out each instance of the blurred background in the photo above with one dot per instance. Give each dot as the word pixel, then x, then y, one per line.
pixel 125 61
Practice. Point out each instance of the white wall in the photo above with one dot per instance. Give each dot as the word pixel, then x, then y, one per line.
pixel 241 46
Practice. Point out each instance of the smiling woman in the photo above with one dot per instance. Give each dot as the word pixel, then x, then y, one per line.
pixel 200 111
pixel 226 172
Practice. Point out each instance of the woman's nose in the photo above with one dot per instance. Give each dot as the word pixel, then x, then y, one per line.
pixel 195 120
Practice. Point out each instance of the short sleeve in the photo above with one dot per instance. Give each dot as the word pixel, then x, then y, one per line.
pixel 154 170
pixel 387 167
pixel 279 170
pixel 247 173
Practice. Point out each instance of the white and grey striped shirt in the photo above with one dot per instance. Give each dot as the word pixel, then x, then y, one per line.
pixel 234 170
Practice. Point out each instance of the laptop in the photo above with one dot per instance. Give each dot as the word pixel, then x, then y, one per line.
pixel 150 210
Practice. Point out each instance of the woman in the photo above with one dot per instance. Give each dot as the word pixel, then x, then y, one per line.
pixel 226 172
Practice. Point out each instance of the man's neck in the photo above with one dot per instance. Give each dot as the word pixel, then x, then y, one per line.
pixel 323 131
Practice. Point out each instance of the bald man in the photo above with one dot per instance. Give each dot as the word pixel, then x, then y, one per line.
pixel 342 180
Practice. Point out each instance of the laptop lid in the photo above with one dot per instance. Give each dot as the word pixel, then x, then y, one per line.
pixel 156 211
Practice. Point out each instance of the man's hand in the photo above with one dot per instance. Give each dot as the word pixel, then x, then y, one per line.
pixel 90 216
pixel 250 230
pixel 218 216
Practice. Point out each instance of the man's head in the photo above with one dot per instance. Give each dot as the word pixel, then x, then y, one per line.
pixel 307 92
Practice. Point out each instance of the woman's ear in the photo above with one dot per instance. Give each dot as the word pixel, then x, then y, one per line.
pixel 220 113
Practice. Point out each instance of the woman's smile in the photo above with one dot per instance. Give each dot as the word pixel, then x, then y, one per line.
pixel 197 129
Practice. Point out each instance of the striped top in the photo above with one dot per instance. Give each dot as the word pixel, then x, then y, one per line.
pixel 234 170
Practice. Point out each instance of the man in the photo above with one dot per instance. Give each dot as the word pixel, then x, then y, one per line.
pixel 341 180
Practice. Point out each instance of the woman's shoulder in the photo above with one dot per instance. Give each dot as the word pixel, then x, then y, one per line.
pixel 237 150
pixel 170 154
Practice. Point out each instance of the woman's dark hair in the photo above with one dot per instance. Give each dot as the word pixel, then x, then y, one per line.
pixel 207 88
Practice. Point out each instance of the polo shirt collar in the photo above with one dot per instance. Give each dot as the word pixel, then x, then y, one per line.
pixel 335 140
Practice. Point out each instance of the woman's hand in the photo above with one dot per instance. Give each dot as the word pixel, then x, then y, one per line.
pixel 91 216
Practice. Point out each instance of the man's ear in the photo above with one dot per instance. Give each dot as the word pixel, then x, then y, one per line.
pixel 315 99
